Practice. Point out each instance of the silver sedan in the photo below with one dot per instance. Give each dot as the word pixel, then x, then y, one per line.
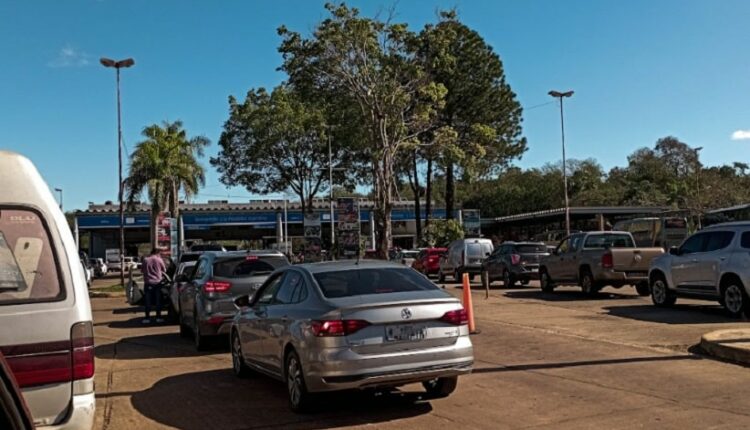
pixel 346 325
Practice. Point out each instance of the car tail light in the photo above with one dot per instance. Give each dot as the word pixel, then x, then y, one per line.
pixel 82 342
pixel 337 327
pixel 457 317
pixel 607 262
pixel 515 259
pixel 217 286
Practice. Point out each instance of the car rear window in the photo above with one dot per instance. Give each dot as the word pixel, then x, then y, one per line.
pixel 609 241
pixel 28 269
pixel 524 249
pixel 357 282
pixel 245 267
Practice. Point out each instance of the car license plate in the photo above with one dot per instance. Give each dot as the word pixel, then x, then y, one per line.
pixel 534 269
pixel 402 333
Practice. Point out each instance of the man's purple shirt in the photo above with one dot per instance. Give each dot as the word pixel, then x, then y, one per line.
pixel 153 269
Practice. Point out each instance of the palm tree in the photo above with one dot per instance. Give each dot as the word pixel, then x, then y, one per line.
pixel 164 164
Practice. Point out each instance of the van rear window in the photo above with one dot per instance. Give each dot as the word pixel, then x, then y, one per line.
pixel 28 271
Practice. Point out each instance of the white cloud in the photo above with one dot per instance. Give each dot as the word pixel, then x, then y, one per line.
pixel 69 56
pixel 741 135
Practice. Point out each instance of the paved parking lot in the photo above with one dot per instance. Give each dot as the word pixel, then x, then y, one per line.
pixel 555 361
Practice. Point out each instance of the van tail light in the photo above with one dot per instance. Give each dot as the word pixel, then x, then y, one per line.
pixel 337 327
pixel 456 317
pixel 82 343
pixel 607 262
pixel 515 259
pixel 217 286
pixel 54 362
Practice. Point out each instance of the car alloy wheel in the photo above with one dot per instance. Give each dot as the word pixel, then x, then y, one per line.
pixel 236 354
pixel 545 281
pixel 659 292
pixel 294 382
pixel 587 284
pixel 506 279
pixel 734 299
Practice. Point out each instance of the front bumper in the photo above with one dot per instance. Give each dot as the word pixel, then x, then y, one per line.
pixel 344 369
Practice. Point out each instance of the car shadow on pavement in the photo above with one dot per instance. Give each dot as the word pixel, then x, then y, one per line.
pixel 566 364
pixel 679 314
pixel 165 345
pixel 218 399
pixel 564 295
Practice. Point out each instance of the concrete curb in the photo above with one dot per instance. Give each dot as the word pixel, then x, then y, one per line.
pixel 729 344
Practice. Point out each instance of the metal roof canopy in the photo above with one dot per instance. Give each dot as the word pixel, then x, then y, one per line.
pixel 585 210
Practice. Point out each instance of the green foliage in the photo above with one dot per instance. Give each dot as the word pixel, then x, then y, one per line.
pixel 279 141
pixel 442 232
pixel 165 164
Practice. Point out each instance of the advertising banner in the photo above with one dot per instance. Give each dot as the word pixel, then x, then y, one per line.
pixel 348 227
pixel 164 234
pixel 313 243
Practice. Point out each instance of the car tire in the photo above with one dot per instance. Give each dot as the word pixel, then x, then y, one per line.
pixel 239 367
pixel 199 340
pixel 508 280
pixel 588 286
pixel 661 296
pixel 643 289
pixel 734 298
pixel 545 281
pixel 441 276
pixel 300 400
pixel 441 387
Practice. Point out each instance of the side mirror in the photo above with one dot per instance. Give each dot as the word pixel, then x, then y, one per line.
pixel 242 301
pixel 674 250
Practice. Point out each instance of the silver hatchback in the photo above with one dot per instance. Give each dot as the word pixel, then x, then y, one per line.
pixel 346 325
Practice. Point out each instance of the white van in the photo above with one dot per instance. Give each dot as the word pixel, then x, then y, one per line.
pixel 464 256
pixel 46 330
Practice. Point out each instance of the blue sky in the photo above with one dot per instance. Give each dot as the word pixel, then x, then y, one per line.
pixel 640 69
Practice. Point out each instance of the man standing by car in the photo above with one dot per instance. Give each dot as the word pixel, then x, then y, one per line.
pixel 153 272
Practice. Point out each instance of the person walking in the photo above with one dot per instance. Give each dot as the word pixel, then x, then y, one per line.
pixel 153 272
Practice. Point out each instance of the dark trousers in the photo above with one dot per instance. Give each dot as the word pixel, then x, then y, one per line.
pixel 153 299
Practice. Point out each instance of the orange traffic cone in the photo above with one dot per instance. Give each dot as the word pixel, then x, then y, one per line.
pixel 468 304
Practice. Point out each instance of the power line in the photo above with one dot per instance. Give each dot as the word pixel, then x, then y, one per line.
pixel 538 106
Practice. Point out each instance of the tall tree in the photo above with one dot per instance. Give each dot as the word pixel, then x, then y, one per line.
pixel 480 105
pixel 276 142
pixel 370 64
pixel 165 163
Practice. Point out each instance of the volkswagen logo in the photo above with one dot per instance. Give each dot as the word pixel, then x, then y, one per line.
pixel 637 258
pixel 406 313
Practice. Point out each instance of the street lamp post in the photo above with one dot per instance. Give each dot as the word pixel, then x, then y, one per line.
pixel 330 188
pixel 698 184
pixel 117 65
pixel 561 96
pixel 59 190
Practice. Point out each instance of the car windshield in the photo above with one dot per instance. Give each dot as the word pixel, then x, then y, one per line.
pixel 247 266
pixel 530 249
pixel 609 241
pixel 356 282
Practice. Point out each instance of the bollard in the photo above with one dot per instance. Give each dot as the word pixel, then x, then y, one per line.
pixel 468 304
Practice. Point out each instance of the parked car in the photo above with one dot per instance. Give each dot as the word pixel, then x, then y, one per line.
pixel 46 330
pixel 428 261
pixel 14 414
pixel 100 267
pixel 130 264
pixel 347 325
pixel 203 247
pixel 206 305
pixel 596 259
pixel 464 256
pixel 514 262
pixel 183 272
pixel 713 264
pixel 407 257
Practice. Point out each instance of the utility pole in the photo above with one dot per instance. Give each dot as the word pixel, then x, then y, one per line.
pixel 117 65
pixel 560 95
pixel 698 184
pixel 330 186
pixel 59 190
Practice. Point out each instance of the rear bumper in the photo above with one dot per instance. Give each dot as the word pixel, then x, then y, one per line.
pixel 81 416
pixel 344 369
pixel 618 278
pixel 217 324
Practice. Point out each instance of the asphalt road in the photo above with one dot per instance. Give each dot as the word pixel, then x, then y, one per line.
pixel 547 361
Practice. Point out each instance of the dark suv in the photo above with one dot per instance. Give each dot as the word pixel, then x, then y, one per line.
pixel 515 261
pixel 207 298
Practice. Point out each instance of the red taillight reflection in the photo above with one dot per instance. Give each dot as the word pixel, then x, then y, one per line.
pixel 607 261
pixel 217 286
pixel 456 317
pixel 337 327
pixel 515 259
